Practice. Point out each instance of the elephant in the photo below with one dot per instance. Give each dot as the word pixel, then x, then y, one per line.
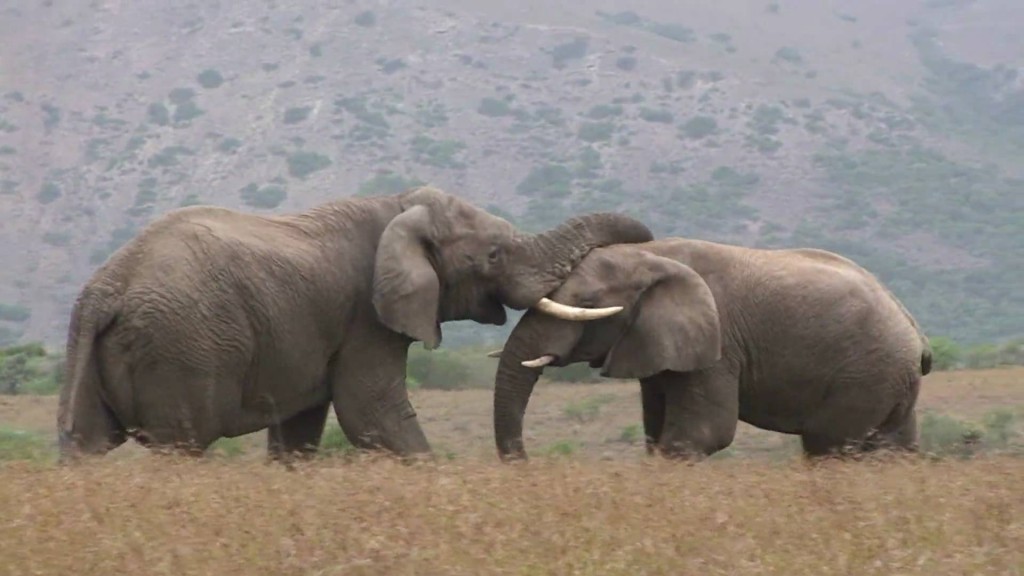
pixel 216 323
pixel 801 341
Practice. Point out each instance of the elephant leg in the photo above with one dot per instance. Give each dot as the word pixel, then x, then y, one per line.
pixel 652 398
pixel 898 433
pixel 299 434
pixel 173 416
pixel 370 397
pixel 96 430
pixel 701 413
pixel 848 425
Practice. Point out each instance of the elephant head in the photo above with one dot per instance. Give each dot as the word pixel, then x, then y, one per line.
pixel 667 320
pixel 444 259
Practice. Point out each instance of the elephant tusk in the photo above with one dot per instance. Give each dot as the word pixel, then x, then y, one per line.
pixel 539 362
pixel 566 312
pixel 495 353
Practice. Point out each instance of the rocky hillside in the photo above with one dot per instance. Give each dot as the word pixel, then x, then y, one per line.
pixel 889 130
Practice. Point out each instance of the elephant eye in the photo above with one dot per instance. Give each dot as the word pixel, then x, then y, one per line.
pixel 493 255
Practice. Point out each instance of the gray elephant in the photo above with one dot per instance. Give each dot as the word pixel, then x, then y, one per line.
pixel 799 341
pixel 215 323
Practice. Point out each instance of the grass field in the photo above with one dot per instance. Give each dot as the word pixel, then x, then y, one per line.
pixel 589 502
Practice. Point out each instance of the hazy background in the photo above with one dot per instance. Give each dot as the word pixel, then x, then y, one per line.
pixel 890 131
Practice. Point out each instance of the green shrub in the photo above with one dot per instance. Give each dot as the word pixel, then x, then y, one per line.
pixel 387 182
pixel 946 354
pixel 210 79
pixel 630 434
pixel 789 54
pixel 596 131
pixel 547 181
pixel 560 448
pixel 698 127
pixel 366 18
pixel 572 50
pixel 603 111
pixel 14 312
pixel 626 63
pixel 334 441
pixel 302 163
pixel 493 107
pixel 266 197
pixel 48 192
pixel 158 114
pixel 297 114
pixel 28 369
pixel 661 116
pixel 587 409
pixel 23 445
pixel 439 153
pixel 186 111
pixel 944 435
pixel 179 96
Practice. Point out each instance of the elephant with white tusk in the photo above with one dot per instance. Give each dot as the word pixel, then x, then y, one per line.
pixel 799 341
pixel 216 323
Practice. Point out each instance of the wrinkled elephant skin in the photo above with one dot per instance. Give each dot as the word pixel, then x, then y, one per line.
pixel 216 323
pixel 799 341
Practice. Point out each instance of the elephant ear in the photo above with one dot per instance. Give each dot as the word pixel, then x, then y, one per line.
pixel 675 324
pixel 406 289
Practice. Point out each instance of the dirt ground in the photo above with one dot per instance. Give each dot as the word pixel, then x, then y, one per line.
pixel 594 420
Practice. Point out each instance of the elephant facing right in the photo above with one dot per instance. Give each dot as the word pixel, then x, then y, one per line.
pixel 799 341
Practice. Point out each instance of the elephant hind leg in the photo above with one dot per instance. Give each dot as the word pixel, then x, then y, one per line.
pixel 96 431
pixel 299 435
pixel 174 411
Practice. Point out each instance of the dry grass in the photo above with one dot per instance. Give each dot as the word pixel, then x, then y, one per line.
pixel 606 509
pixel 551 516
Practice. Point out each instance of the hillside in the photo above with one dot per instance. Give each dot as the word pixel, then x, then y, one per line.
pixel 888 130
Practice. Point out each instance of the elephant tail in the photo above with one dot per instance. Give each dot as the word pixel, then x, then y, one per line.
pixel 91 315
pixel 926 356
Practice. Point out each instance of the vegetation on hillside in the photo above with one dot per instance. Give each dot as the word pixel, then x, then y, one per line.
pixel 891 136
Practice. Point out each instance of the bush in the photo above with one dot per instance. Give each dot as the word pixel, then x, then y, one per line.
pixel 442 369
pixel 48 192
pixel 269 196
pixel 946 354
pixel 698 127
pixel 547 181
pixel 366 18
pixel 596 131
pixel 661 116
pixel 14 312
pixel 439 153
pixel 297 114
pixel 493 107
pixel 210 79
pixel 28 369
pixel 387 182
pixel 302 164
pixel 158 114
pixel 23 445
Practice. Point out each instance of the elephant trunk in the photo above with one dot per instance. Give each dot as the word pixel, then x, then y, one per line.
pixel 544 261
pixel 512 388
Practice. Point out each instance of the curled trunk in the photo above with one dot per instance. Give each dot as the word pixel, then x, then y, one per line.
pixel 547 259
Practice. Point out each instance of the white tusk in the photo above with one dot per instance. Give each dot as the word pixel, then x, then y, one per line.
pixel 566 312
pixel 539 362
pixel 495 353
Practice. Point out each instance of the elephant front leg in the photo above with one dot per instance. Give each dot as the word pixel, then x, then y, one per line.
pixel 701 413
pixel 652 399
pixel 371 399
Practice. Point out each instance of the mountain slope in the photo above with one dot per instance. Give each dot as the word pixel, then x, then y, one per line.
pixel 887 130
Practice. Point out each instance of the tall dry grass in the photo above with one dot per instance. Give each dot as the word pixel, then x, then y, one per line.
pixel 552 516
